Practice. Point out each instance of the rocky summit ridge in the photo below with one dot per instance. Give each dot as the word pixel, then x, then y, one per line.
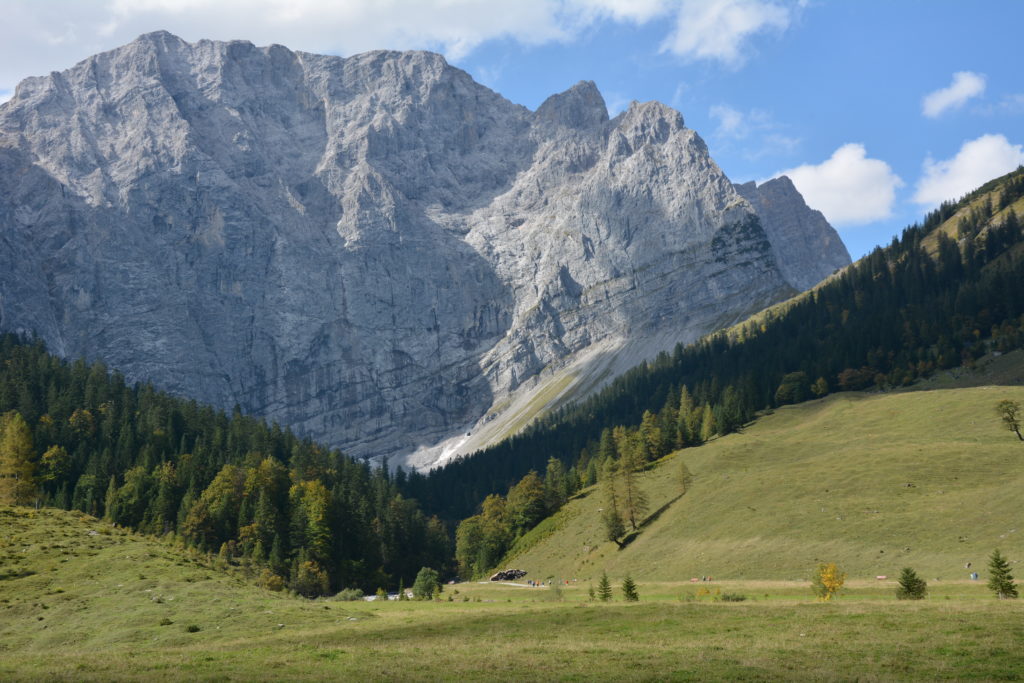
pixel 374 250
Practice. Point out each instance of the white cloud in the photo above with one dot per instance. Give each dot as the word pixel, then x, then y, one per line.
pixel 965 85
pixel 41 36
pixel 977 162
pixel 5 95
pixel 849 188
pixel 718 29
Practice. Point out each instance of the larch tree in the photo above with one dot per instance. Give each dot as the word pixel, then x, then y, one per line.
pixel 610 516
pixel 632 498
pixel 827 581
pixel 17 461
pixel 707 423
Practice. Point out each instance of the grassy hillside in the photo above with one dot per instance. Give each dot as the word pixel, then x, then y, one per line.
pixel 82 601
pixel 926 478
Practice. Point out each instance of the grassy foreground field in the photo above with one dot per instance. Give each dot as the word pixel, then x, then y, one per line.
pixel 81 601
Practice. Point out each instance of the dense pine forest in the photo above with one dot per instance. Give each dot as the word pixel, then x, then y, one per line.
pixel 925 302
pixel 77 436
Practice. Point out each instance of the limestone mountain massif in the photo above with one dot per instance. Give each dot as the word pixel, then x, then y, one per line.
pixel 376 251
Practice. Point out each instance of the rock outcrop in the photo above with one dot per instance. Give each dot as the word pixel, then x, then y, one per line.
pixel 806 247
pixel 376 250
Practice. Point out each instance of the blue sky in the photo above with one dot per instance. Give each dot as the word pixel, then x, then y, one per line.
pixel 877 109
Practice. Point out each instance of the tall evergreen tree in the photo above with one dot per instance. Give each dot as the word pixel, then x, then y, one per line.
pixel 911 586
pixel 629 592
pixel 1000 580
pixel 604 588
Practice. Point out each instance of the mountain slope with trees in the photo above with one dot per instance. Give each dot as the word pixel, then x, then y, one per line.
pixel 925 478
pixel 76 436
pixel 940 296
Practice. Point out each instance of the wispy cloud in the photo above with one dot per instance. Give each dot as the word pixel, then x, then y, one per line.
pixel 754 131
pixel 848 187
pixel 977 162
pixel 719 30
pixel 1008 105
pixel 965 85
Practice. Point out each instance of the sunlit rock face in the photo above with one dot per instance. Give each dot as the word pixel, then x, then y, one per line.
pixel 376 251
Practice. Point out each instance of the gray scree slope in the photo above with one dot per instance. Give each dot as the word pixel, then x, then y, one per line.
pixel 376 250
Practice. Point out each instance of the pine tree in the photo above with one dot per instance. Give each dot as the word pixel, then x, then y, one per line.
pixel 604 588
pixel 912 587
pixel 1000 580
pixel 629 589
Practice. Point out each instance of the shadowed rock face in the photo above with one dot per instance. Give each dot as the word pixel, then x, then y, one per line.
pixel 806 247
pixel 373 250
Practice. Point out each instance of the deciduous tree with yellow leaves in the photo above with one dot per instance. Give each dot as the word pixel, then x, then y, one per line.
pixel 827 581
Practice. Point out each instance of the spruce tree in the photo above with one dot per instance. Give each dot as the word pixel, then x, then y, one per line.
pixel 629 589
pixel 1000 580
pixel 604 588
pixel 912 587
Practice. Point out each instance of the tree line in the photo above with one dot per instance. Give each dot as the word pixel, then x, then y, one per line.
pixel 76 436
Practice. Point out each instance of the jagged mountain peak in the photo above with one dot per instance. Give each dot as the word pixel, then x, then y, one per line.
pixel 581 106
pixel 375 250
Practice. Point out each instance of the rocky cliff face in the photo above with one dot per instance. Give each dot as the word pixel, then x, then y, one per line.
pixel 806 247
pixel 374 250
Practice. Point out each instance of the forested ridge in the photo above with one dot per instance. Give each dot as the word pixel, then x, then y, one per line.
pixel 77 436
pixel 925 302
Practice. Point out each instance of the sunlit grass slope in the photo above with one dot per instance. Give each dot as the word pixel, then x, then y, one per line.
pixel 80 601
pixel 876 482
pixel 114 606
